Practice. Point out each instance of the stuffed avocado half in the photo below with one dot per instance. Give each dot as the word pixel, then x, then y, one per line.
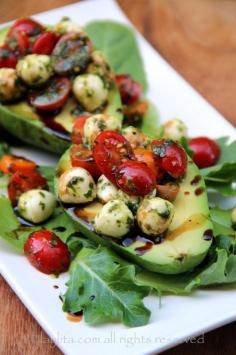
pixel 49 78
pixel 167 230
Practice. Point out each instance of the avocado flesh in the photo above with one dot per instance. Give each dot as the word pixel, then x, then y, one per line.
pixel 184 246
pixel 23 122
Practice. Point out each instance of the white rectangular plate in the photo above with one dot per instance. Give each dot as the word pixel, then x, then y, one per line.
pixel 178 317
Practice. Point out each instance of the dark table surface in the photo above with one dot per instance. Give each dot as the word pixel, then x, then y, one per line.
pixel 198 38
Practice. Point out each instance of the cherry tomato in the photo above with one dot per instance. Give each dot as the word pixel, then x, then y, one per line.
pixel 82 157
pixel 10 164
pixel 78 129
pixel 71 53
pixel 45 43
pixel 52 96
pixel 170 157
pixel 146 156
pixel 110 149
pixel 18 41
pixel 23 181
pixel 135 178
pixel 47 253
pixel 8 58
pixel 206 151
pixel 130 90
pixel 27 25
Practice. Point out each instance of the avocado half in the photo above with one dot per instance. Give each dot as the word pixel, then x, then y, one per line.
pixel 23 122
pixel 189 236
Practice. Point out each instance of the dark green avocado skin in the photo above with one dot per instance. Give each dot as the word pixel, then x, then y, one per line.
pixel 33 132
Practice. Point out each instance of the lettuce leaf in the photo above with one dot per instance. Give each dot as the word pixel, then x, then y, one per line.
pixel 104 287
pixel 119 45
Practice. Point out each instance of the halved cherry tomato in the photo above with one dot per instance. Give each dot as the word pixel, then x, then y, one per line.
pixel 78 129
pixel 170 157
pixel 47 253
pixel 71 53
pixel 23 181
pixel 52 96
pixel 45 43
pixel 82 157
pixel 9 164
pixel 135 178
pixel 110 149
pixel 146 156
pixel 27 25
pixel 8 58
pixel 18 41
pixel 206 151
pixel 130 90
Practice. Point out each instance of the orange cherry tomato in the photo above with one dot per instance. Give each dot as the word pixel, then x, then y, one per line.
pixel 147 157
pixel 9 164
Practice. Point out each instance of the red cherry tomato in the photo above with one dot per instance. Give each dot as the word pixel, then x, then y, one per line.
pixel 23 181
pixel 52 96
pixel 47 253
pixel 110 149
pixel 11 164
pixel 78 129
pixel 206 151
pixel 130 90
pixel 27 25
pixel 82 157
pixel 146 156
pixel 8 58
pixel 135 178
pixel 45 43
pixel 18 41
pixel 170 157
pixel 71 53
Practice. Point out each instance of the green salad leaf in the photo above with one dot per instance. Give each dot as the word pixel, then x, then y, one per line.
pixel 119 45
pixel 104 287
pixel 150 122
pixel 220 177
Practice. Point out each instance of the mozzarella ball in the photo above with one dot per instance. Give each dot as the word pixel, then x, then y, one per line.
pixel 233 217
pixel 66 26
pixel 154 215
pixel 76 185
pixel 34 69
pixel 98 123
pixel 106 191
pixel 10 87
pixel 36 205
pixel 114 220
pixel 135 137
pixel 175 129
pixel 131 201
pixel 90 91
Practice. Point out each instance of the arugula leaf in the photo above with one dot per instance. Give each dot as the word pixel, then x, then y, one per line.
pixel 220 177
pixel 116 40
pixel 49 173
pixel 104 287
pixel 222 223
